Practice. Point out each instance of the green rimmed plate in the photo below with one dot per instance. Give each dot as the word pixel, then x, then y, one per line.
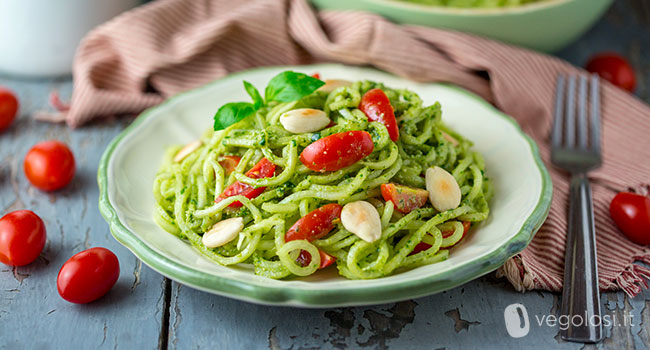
pixel 129 164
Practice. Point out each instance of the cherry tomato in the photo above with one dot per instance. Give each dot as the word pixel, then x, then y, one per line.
pixel 316 224
pixel 229 163
pixel 376 106
pixel 404 198
pixel 316 75
pixel 337 151
pixel 8 108
pixel 325 259
pixel 631 213
pixel 22 237
pixel 263 168
pixel 424 246
pixel 49 165
pixel 88 275
pixel 614 68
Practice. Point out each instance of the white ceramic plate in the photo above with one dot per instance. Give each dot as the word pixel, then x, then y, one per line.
pixel 522 197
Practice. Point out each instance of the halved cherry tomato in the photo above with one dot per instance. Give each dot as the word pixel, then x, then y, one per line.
pixel 8 108
pixel 229 163
pixel 376 106
pixel 424 246
pixel 22 237
pixel 49 165
pixel 325 259
pixel 631 213
pixel 404 198
pixel 316 224
pixel 316 75
pixel 263 168
pixel 614 68
pixel 337 151
pixel 88 275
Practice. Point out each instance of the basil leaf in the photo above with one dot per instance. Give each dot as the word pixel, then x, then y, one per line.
pixel 231 113
pixel 258 102
pixel 290 86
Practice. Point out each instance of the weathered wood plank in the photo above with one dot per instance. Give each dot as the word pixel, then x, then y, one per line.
pixel 470 316
pixel 32 315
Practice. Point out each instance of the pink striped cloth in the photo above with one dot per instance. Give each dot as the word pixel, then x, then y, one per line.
pixel 150 53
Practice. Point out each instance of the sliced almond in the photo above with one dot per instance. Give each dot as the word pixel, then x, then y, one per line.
pixel 303 120
pixel 223 232
pixel 443 188
pixel 333 84
pixel 187 150
pixel 362 219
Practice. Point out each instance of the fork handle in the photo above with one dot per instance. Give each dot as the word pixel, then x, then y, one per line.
pixel 580 295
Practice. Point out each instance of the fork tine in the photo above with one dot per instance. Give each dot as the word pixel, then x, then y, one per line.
pixel 595 112
pixel 570 121
pixel 556 136
pixel 582 113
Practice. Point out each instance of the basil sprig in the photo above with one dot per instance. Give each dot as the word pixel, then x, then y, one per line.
pixel 285 87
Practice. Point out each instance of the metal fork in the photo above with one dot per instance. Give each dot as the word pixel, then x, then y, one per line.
pixel 577 150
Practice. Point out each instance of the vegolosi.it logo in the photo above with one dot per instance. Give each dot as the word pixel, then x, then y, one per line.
pixel 518 323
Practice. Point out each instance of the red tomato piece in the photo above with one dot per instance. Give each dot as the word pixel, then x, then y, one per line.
pixel 422 246
pixel 325 259
pixel 631 213
pixel 404 198
pixel 337 151
pixel 316 75
pixel 316 224
pixel 229 163
pixel 22 237
pixel 88 275
pixel 263 168
pixel 49 165
pixel 614 68
pixel 376 106
pixel 8 108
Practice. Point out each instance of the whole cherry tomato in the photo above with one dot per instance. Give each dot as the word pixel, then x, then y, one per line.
pixel 22 237
pixel 263 168
pixel 8 108
pixel 229 163
pixel 316 224
pixel 337 151
pixel 376 106
pixel 404 198
pixel 49 165
pixel 88 275
pixel 424 246
pixel 631 213
pixel 614 68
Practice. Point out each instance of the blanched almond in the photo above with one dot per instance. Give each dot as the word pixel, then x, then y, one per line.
pixel 362 219
pixel 187 150
pixel 303 120
pixel 333 84
pixel 444 191
pixel 223 232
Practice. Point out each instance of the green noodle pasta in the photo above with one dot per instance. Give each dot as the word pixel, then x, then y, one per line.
pixel 188 203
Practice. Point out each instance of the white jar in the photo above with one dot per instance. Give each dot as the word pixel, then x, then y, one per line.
pixel 38 38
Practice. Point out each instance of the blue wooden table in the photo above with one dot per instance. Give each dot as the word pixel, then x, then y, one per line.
pixel 146 311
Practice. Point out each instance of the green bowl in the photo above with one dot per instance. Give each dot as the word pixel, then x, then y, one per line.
pixel 545 26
